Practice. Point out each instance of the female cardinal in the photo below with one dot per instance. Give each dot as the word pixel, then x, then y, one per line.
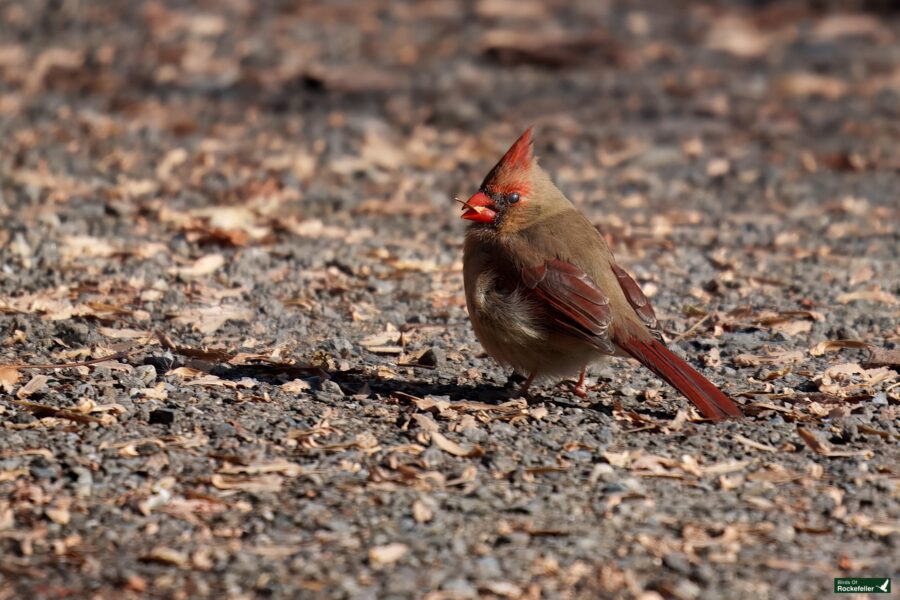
pixel 545 294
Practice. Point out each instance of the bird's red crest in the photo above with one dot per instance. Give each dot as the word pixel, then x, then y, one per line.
pixel 519 155
pixel 512 172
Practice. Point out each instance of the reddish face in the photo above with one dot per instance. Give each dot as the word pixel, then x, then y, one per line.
pixel 487 206
pixel 505 188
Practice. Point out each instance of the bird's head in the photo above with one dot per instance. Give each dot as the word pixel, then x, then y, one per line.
pixel 507 197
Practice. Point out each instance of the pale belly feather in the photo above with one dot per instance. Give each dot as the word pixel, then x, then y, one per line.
pixel 509 328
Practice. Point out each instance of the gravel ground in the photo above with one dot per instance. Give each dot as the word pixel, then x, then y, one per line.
pixel 232 222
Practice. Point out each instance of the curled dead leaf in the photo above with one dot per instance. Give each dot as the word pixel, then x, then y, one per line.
pixel 451 447
pixel 834 345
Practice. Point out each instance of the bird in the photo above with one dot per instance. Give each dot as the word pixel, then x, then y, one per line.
pixel 545 295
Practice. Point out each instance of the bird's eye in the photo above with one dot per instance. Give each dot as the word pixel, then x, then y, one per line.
pixel 513 198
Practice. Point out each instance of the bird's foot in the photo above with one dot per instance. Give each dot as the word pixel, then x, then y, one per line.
pixel 579 389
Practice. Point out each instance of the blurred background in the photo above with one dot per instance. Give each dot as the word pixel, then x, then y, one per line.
pixel 416 98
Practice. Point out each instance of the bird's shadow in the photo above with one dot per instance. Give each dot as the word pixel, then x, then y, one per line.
pixel 358 382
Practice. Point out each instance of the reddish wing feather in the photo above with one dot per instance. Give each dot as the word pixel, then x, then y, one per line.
pixel 637 299
pixel 574 303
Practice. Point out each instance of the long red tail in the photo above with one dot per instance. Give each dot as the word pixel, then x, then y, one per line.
pixel 709 399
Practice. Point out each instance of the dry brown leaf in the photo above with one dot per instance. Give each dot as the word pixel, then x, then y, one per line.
pixel 617 459
pixel 12 475
pixel 239 221
pixel 85 246
pixel 884 529
pixel 818 446
pixel 738 36
pixel 834 345
pixel 125 334
pixel 157 392
pixel 45 410
pixel 352 78
pixel 849 378
pixel 538 412
pixel 167 556
pixel 208 319
pixel 861 275
pixel 59 515
pixel 204 265
pixel 839 25
pixel 803 85
pixel 169 162
pixel 426 423
pixel 87 406
pixel 9 377
pixel 36 383
pixel 186 373
pixel 793 327
pixel 393 350
pixel 290 469
pixel 774 473
pixel 254 484
pixel 315 228
pixel 295 386
pixel 722 468
pixel 713 358
pixel 677 423
pixel 753 444
pixel 718 167
pixel 878 357
pixel 387 554
pixel 546 48
pixel 389 337
pixel 422 513
pixel 880 296
pixel 451 447
pixel 779 357
pixel 843 371
pixel 824 448
pixel 216 381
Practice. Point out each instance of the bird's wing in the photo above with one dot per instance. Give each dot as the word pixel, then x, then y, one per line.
pixel 572 301
pixel 638 300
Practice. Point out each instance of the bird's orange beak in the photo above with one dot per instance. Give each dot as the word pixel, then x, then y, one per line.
pixel 479 208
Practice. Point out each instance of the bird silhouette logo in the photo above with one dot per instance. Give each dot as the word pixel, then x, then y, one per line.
pixel 884 586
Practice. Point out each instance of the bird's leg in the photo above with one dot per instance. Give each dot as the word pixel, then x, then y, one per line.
pixel 579 389
pixel 524 389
